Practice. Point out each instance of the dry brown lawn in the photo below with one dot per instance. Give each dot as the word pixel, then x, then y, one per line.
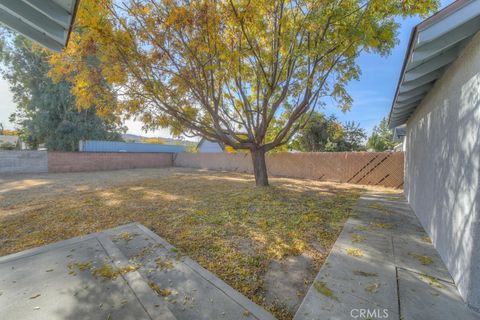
pixel 221 220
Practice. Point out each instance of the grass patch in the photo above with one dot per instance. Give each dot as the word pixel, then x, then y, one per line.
pixel 203 214
pixel 322 288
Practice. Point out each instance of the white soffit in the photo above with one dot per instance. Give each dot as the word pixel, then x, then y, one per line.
pixel 435 43
pixel 47 22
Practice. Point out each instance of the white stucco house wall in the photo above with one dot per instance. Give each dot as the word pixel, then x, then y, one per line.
pixel 438 99
pixel 208 146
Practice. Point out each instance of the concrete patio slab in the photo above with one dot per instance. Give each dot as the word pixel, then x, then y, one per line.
pixel 49 286
pixel 347 276
pixel 376 246
pixel 375 216
pixel 127 272
pixel 428 298
pixel 383 266
pixel 413 253
pixel 316 307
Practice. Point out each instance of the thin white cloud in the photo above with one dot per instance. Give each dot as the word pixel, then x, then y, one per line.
pixel 135 127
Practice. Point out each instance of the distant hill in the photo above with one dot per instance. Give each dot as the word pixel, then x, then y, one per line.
pixel 128 137
pixel 133 137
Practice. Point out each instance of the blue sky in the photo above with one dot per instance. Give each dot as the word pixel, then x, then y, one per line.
pixel 372 94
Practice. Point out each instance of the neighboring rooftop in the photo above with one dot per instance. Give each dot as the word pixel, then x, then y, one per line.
pixel 48 22
pixel 203 140
pixel 434 44
pixel 399 133
pixel 8 139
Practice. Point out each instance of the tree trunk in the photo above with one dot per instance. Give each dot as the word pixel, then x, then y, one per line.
pixel 259 167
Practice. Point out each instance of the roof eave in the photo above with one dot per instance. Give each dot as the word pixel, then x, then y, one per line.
pixel 48 23
pixel 413 36
pixel 432 64
pixel 72 22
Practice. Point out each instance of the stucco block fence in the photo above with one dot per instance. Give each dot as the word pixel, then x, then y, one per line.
pixel 23 162
pixel 12 162
pixel 364 168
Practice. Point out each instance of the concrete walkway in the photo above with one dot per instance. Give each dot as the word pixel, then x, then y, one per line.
pixel 383 266
pixel 123 273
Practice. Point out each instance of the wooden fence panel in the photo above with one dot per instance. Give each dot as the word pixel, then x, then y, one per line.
pixel 367 168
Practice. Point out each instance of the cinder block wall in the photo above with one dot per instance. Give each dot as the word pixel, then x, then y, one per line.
pixel 100 161
pixel 366 168
pixel 23 161
pixel 442 179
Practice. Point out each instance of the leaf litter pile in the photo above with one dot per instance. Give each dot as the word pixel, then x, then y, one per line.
pixel 209 216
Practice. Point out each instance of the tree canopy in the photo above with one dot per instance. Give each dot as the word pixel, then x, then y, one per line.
pixel 244 73
pixel 381 138
pixel 325 134
pixel 46 111
pixel 354 137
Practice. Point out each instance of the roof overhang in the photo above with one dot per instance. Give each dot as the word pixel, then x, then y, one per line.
pixel 434 44
pixel 47 22
pixel 399 133
pixel 202 140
